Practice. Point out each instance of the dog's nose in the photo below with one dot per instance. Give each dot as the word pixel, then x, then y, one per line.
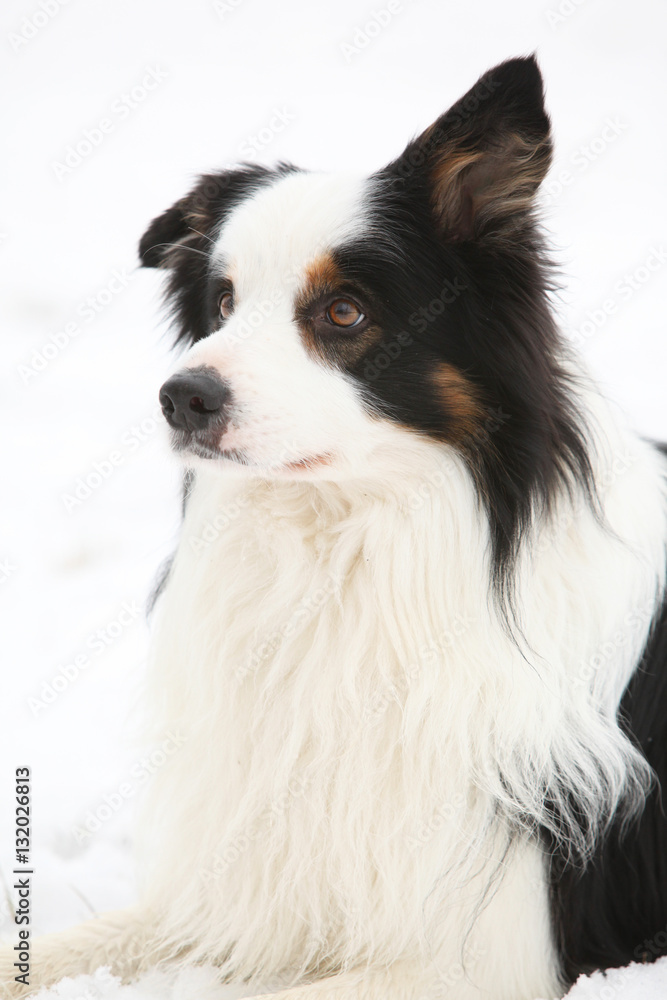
pixel 191 400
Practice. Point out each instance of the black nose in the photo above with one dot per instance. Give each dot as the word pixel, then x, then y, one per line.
pixel 191 400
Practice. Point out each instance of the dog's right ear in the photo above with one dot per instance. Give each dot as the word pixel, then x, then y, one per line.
pixel 197 217
pixel 181 239
pixel 188 222
pixel 164 233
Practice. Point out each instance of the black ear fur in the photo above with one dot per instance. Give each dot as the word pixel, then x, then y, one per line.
pixel 163 232
pixel 484 159
pixel 202 211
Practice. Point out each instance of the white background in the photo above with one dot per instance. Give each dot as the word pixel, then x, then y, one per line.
pixel 351 106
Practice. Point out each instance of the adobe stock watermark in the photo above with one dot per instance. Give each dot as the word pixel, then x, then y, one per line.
pixel 305 610
pixel 32 24
pixel 418 154
pixel 391 348
pixel 139 774
pixel 433 651
pixel 364 34
pixel 212 530
pixel 448 294
pixel 277 123
pixel 121 109
pixel 130 442
pixel 251 320
pixel 652 948
pixel 224 7
pixel 560 13
pixel 454 975
pixel 581 159
pixel 623 290
pixel 437 479
pixel 229 853
pixel 443 815
pixel 639 618
pixel 247 322
pixel 618 989
pixel 97 643
pixel 7 570
pixel 86 311
pixel 388 351
pixel 552 532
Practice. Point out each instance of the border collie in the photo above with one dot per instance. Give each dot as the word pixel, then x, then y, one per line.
pixel 413 639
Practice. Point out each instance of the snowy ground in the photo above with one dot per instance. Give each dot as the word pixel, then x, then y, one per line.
pixel 637 982
pixel 162 90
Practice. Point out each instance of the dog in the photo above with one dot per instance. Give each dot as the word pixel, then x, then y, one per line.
pixel 413 639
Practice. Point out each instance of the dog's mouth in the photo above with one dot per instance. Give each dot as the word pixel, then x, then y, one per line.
pixel 199 443
pixel 204 445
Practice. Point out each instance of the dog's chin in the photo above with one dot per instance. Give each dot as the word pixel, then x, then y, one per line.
pixel 197 449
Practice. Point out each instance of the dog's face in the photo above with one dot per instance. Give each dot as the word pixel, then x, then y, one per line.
pixel 288 325
pixel 331 318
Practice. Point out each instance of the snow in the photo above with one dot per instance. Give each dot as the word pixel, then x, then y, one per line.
pixel 637 982
pixel 189 984
pixel 162 90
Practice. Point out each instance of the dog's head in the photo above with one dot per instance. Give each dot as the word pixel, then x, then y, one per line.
pixel 330 318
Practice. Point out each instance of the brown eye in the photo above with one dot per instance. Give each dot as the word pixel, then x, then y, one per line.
pixel 226 305
pixel 342 312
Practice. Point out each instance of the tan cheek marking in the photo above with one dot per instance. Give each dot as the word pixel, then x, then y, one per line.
pixel 460 402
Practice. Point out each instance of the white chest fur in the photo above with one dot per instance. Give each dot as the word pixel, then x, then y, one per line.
pixel 360 728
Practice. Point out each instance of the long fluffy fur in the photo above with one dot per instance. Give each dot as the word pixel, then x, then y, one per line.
pixel 347 736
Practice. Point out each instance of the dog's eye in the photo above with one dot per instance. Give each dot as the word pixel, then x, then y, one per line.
pixel 342 312
pixel 226 305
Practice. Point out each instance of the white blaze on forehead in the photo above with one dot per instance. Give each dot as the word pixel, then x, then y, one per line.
pixel 271 237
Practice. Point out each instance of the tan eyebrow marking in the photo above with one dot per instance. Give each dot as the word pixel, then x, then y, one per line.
pixel 321 274
pixel 323 278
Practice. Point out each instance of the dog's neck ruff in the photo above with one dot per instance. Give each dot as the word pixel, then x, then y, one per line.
pixel 335 649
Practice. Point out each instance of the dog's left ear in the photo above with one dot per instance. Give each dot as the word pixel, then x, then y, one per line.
pixel 484 159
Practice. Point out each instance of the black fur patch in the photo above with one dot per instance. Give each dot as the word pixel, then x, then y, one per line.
pixel 164 571
pixel 473 294
pixel 614 911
